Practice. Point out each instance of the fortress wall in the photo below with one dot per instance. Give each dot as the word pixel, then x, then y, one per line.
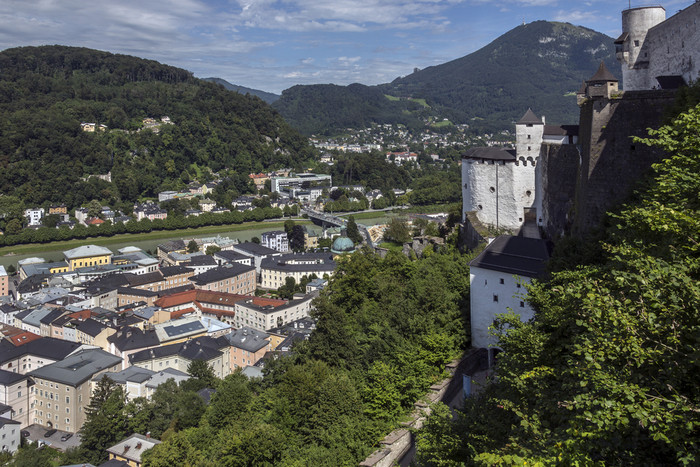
pixel 611 162
pixel 559 171
pixel 674 46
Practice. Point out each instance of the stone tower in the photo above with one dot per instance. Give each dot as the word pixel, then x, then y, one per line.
pixel 631 48
pixel 602 83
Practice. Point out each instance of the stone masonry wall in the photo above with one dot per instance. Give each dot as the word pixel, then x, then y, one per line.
pixel 559 171
pixel 611 163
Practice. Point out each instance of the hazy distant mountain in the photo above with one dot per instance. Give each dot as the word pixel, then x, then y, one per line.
pixel 266 96
pixel 538 65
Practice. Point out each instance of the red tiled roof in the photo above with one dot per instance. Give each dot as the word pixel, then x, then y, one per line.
pixel 178 313
pixel 23 338
pixel 197 295
pixel 82 315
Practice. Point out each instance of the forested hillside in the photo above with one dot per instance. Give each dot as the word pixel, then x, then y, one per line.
pixel 607 373
pixel 329 108
pixel 539 65
pixel 47 92
pixel 266 96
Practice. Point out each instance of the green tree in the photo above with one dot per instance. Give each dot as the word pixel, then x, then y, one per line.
pixel 14 226
pixel 202 376
pixel 106 422
pixel 94 208
pixel 353 232
pixel 397 230
pixel 230 401
pixel 192 246
pixel 288 225
pixel 213 249
pixel 297 238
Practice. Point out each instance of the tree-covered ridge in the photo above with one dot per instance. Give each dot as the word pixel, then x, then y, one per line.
pixel 386 328
pixel 607 372
pixel 328 108
pixel 539 65
pixel 46 92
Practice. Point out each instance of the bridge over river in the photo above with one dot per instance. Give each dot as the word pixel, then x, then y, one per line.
pixel 326 220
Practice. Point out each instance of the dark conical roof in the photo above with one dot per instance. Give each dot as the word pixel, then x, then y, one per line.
pixel 529 119
pixel 603 74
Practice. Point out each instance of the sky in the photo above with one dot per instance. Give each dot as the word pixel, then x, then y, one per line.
pixel 272 45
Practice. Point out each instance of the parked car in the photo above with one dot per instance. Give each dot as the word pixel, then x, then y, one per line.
pixel 50 432
pixel 66 436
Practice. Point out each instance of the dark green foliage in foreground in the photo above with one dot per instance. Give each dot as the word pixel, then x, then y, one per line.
pixel 46 92
pixel 607 374
pixel 385 330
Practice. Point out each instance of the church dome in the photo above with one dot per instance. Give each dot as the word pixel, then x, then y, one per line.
pixel 342 245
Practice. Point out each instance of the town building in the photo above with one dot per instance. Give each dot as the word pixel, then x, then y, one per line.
pixel 274 271
pixel 87 255
pixel 14 393
pixel 497 279
pixel 275 240
pixel 62 390
pixel 231 278
pixel 213 351
pixel 4 282
pixel 308 181
pixel 248 345
pixel 130 450
pixel 9 435
pixel 266 313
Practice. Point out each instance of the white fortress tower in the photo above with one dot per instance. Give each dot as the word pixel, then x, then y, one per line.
pixel 499 184
pixel 656 52
pixel 630 46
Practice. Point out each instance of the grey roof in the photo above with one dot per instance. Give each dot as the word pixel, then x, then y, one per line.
pixel 133 447
pixel 300 262
pixel 52 316
pixel 254 249
pixel 173 330
pixel 6 421
pixel 603 74
pixel 129 338
pixel 514 255
pixel 529 119
pixel 174 270
pixel 222 272
pixel 206 394
pixel 133 374
pixel 90 327
pixel 561 130
pixel 8 377
pixel 202 260
pixel 86 251
pixel 201 348
pixel 77 368
pixel 164 375
pixel 230 255
pixel 248 339
pixel 34 318
pixel 140 279
pixel 136 292
pixel 172 245
pixel 46 347
pixel 491 153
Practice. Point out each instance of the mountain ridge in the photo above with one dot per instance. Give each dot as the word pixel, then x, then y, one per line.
pixel 268 97
pixel 539 65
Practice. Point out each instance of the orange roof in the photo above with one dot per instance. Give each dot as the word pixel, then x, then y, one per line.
pixel 95 221
pixel 218 313
pixel 197 295
pixel 23 338
pixel 82 315
pixel 178 313
pixel 262 301
pixel 260 175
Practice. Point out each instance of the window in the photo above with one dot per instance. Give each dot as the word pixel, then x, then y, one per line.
pixel 502 281
pixel 636 43
pixel 528 136
pixel 522 304
pixel 495 298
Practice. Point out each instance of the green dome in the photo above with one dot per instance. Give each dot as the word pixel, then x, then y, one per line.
pixel 342 245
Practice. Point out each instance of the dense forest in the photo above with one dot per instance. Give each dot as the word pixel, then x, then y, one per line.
pixel 539 65
pixel 607 373
pixel 47 92
pixel 326 109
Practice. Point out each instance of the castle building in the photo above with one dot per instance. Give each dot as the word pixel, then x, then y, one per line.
pixel 656 52
pixel 503 186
